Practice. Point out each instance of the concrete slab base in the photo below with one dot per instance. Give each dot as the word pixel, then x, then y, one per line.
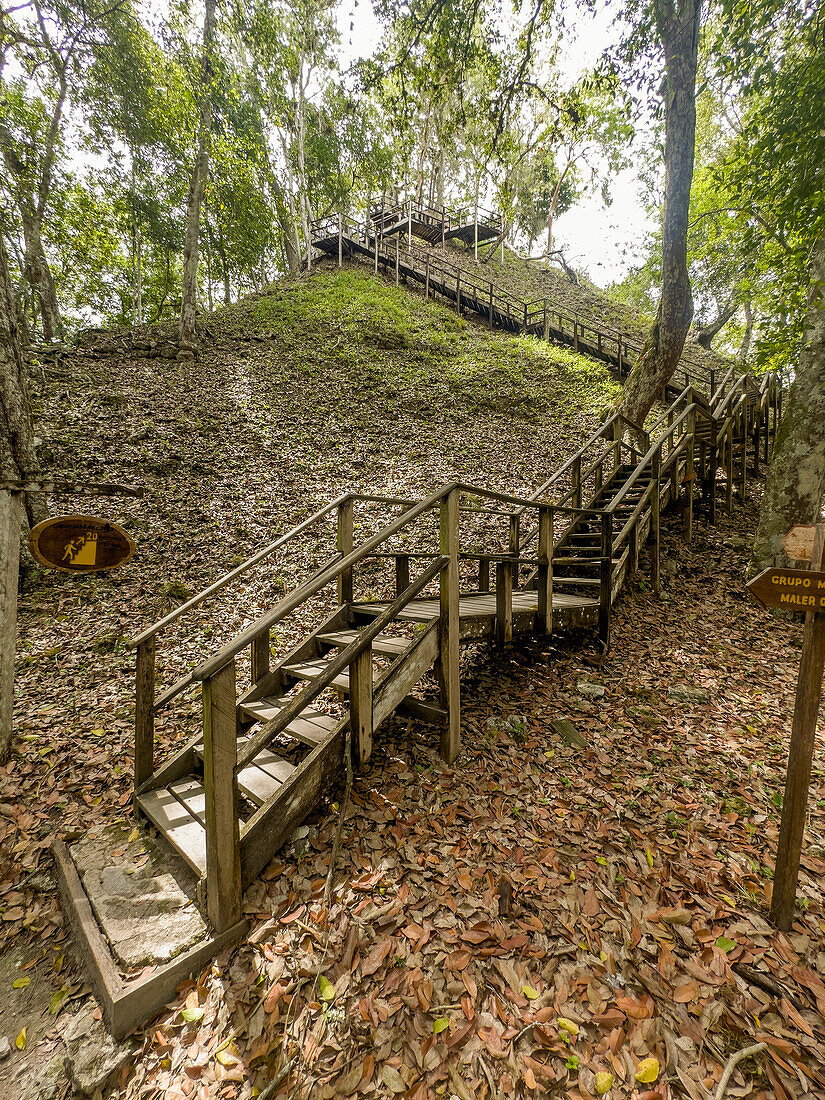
pixel 142 900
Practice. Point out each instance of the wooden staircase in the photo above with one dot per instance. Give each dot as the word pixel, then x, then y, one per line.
pixel 555 560
pixel 399 602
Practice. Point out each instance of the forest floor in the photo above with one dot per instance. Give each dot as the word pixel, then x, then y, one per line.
pixel 538 914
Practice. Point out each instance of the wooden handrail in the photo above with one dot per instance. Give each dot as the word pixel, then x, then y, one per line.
pixel 365 638
pixel 310 588
pixel 233 574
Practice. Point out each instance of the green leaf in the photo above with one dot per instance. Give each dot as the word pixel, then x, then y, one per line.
pixel 649 857
pixel 602 862
pixel 529 992
pixel 192 1015
pixel 56 1003
pixel 20 983
pixel 326 989
pixel 725 944
pixel 604 1082
pixel 441 1024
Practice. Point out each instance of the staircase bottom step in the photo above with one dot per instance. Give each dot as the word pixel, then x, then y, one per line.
pixel 177 824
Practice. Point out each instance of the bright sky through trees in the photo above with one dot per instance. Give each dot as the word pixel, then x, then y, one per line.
pixel 607 241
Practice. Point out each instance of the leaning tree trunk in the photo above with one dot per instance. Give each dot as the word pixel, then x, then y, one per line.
pixel 189 283
pixel 796 479
pixel 677 22
pixel 40 278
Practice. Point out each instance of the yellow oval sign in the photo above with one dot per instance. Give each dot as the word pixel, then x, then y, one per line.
pixel 80 544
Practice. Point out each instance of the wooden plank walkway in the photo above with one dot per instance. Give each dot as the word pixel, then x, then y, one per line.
pixel 477 612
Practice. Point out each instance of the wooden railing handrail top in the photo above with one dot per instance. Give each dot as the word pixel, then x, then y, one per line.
pixel 521 502
pixel 336 666
pixel 311 587
pixel 655 448
pixel 233 574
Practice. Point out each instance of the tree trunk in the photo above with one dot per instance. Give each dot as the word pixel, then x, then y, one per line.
pixel 796 478
pixel 40 278
pixel 189 283
pixel 677 22
pixel 137 257
pixel 705 333
pixel 303 179
pixel 18 453
pixel 744 350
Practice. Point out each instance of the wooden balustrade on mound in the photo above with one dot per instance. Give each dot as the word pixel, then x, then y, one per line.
pixel 492 303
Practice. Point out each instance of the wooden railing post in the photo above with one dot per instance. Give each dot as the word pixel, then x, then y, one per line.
pixel 514 540
pixel 144 711
pixel 504 602
pixel 427 278
pixel 260 656
pixel 491 308
pixel 449 627
pixel 745 424
pixel 402 573
pixel 544 610
pixel 340 238
pixel 655 531
pixel 346 511
pixel 484 574
pixel 458 293
pixel 397 257
pixel 576 477
pixel 729 486
pixel 606 579
pixel 360 706
pixel 690 473
pixel 546 323
pixel 223 850
pixel 713 468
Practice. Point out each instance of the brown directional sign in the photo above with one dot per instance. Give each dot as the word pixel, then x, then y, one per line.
pixel 793 589
pixel 80 544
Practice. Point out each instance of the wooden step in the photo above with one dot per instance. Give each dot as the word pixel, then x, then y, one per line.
pixel 311 727
pixel 177 824
pixel 384 644
pixel 594 581
pixel 311 670
pixel 580 562
pixel 262 777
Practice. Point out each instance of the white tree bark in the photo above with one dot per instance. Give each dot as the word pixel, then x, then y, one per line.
pixel 18 452
pixel 796 478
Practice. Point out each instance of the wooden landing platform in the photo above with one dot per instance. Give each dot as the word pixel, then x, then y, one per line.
pixel 477 612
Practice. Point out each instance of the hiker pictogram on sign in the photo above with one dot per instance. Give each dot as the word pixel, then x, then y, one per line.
pixel 81 551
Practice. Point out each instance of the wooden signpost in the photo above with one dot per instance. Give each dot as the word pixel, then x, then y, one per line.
pixel 75 544
pixel 798 590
